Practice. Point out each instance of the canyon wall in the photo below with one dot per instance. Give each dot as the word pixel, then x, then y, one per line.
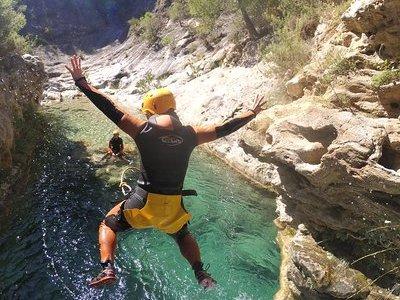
pixel 81 24
pixel 21 89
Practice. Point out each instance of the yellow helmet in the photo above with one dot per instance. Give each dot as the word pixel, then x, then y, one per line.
pixel 158 101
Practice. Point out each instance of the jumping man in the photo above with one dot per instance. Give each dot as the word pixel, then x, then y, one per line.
pixel 165 146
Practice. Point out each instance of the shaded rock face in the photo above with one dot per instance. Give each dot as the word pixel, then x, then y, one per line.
pixel 21 89
pixel 80 23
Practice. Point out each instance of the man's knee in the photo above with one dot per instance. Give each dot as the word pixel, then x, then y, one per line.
pixel 115 223
pixel 181 234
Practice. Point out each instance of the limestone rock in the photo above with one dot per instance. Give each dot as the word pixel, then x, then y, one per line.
pixel 379 19
pixel 338 172
pixel 295 86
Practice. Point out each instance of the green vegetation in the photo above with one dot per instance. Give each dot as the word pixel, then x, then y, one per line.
pixel 178 11
pixel 339 66
pixel 207 12
pixel 12 20
pixel 291 24
pixel 294 24
pixel 385 77
pixel 167 40
pixel 148 27
pixel 148 83
pixel 288 50
pixel 343 66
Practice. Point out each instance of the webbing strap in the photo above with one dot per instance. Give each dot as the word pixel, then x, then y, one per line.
pixel 186 193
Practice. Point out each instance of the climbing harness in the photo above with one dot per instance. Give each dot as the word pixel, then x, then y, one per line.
pixel 125 187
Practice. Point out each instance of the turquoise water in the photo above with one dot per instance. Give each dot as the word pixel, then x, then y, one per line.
pixel 48 237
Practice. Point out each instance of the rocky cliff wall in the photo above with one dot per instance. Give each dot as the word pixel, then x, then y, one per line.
pixel 82 24
pixel 336 150
pixel 21 89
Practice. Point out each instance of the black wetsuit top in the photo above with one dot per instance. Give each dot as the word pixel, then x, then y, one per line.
pixel 164 156
pixel 116 144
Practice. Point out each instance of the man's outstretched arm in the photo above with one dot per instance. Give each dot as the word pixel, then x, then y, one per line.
pixel 128 123
pixel 210 133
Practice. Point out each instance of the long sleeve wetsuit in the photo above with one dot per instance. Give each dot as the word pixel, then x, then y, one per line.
pixel 100 100
pixel 233 125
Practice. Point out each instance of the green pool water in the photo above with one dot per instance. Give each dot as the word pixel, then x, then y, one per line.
pixel 48 236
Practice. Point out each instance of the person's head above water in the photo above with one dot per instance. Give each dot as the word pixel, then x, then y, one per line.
pixel 158 102
pixel 115 133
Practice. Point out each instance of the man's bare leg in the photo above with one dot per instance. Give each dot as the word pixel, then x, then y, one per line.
pixel 108 238
pixel 191 251
pixel 106 156
pixel 122 157
pixel 108 244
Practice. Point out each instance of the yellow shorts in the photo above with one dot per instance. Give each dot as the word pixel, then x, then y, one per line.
pixel 163 212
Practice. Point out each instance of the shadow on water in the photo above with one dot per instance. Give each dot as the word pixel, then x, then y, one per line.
pixel 48 245
pixel 48 241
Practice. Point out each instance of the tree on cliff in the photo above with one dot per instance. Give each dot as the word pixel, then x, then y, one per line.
pixel 208 11
pixel 12 20
pixel 246 18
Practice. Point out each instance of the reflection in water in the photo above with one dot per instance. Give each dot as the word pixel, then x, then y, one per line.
pixel 48 244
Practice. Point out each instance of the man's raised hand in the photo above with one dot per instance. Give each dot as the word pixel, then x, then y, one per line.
pixel 75 67
pixel 259 102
